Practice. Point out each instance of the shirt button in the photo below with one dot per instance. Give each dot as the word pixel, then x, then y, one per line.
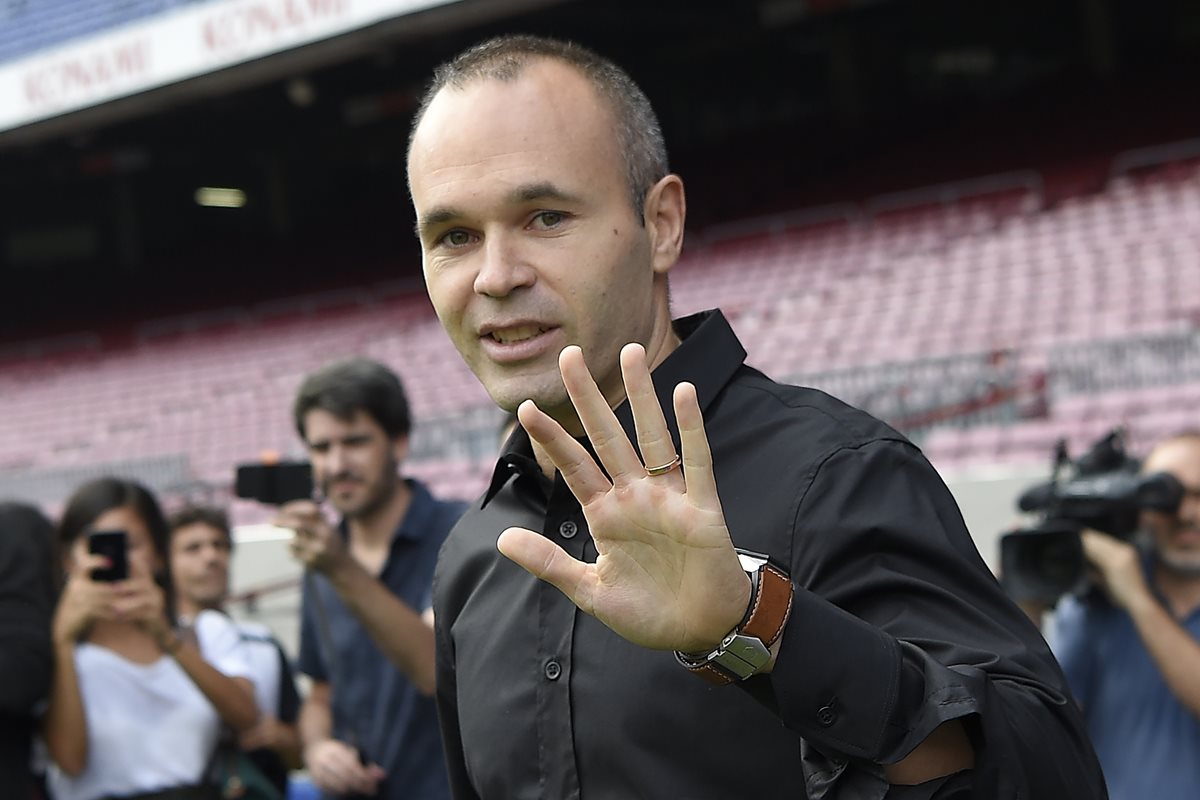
pixel 826 715
pixel 568 530
pixel 553 669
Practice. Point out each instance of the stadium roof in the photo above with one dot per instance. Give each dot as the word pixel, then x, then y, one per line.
pixel 766 104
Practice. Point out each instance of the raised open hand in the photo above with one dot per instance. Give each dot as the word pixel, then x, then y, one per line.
pixel 667 576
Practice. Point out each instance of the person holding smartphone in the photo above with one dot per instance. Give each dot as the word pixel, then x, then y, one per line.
pixel 135 705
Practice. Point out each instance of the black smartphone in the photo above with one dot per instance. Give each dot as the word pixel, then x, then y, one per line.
pixel 275 484
pixel 114 545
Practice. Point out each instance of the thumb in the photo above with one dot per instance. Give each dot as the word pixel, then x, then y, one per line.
pixel 546 560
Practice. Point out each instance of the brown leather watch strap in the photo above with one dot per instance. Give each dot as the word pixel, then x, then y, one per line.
pixel 713 674
pixel 769 609
pixel 771 606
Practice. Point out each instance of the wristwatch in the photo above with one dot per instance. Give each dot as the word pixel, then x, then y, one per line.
pixel 746 649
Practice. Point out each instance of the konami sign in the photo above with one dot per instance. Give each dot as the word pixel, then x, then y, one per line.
pixel 249 25
pixel 95 72
pixel 174 46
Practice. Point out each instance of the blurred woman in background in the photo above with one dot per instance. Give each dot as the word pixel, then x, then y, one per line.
pixel 135 705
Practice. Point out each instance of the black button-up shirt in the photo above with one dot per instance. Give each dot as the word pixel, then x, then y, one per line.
pixel 897 627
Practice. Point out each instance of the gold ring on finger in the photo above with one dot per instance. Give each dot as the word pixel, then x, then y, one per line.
pixel 664 468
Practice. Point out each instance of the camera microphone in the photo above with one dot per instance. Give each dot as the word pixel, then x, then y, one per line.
pixel 1038 498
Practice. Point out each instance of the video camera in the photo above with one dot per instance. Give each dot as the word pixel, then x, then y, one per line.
pixel 1103 491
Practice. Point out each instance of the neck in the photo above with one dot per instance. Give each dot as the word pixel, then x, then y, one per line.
pixel 663 342
pixel 188 609
pixel 1181 590
pixel 114 634
pixel 377 526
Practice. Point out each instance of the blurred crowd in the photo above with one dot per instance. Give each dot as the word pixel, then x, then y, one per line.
pixel 124 677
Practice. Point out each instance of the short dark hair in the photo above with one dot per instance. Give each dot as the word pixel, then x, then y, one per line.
pixel 34 534
pixel 639 134
pixel 211 516
pixel 95 497
pixel 344 388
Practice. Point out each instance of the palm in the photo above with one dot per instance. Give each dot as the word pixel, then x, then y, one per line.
pixel 666 575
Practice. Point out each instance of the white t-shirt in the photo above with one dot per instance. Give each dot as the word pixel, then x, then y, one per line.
pixel 149 726
pixel 263 657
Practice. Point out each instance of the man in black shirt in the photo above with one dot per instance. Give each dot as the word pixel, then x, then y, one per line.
pixel 873 652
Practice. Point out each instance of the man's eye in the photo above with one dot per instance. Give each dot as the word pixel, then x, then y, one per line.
pixel 457 239
pixel 548 219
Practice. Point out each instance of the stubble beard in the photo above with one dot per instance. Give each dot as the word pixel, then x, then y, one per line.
pixel 379 494
pixel 1185 564
pixel 1182 561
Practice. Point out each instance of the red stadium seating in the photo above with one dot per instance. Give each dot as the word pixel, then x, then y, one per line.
pixel 932 294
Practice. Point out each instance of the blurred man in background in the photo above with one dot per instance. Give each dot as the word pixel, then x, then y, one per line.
pixel 369 725
pixel 26 605
pixel 1134 662
pixel 201 546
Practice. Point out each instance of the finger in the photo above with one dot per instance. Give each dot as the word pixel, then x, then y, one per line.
pixel 141 583
pixel 86 563
pixel 355 774
pixel 301 508
pixel 607 436
pixel 300 550
pixel 366 783
pixel 297 514
pixel 342 762
pixel 334 781
pixel 126 609
pixel 546 560
pixel 580 471
pixel 697 457
pixel 654 438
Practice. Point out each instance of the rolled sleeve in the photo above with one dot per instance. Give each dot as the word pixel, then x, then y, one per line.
pixel 898 627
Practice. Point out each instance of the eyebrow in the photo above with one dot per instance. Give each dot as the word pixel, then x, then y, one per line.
pixel 524 193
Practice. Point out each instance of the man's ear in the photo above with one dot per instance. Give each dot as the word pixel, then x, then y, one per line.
pixel 400 448
pixel 666 211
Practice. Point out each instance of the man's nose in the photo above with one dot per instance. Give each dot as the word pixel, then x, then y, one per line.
pixel 335 459
pixel 502 268
pixel 1189 509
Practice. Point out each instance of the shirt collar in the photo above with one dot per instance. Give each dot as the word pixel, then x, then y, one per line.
pixel 708 357
pixel 418 520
